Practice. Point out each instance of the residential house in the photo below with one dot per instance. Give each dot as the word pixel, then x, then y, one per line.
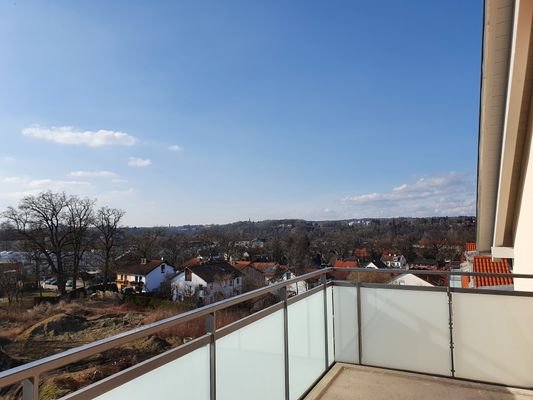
pixel 254 243
pixel 209 282
pixel 342 263
pixel 435 280
pixel 257 243
pixel 251 276
pixel 271 271
pixel 15 256
pixel 376 264
pixel 144 276
pixel 262 273
pixel 409 280
pixel 393 260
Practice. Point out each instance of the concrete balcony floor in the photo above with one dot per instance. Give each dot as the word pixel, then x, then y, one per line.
pixel 353 382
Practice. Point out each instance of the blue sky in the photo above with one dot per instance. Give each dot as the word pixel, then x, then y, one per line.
pixel 212 112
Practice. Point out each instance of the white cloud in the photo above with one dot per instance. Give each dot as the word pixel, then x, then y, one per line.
pixel 175 148
pixel 92 174
pixel 139 162
pixel 71 136
pixel 50 183
pixel 447 195
pixel 10 179
pixel 7 158
pixel 16 189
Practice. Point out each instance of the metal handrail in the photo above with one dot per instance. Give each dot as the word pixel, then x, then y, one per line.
pixel 432 272
pixel 38 367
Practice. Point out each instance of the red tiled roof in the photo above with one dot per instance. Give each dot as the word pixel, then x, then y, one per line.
pixel 192 262
pixel 263 266
pixel 345 264
pixel 240 265
pixel 485 264
pixel 470 246
pixel 465 282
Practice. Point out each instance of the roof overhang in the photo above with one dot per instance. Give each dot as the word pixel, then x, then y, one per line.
pixel 507 75
pixel 496 55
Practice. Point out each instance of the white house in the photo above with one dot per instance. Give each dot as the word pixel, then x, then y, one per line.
pixel 147 275
pixel 376 264
pixel 409 280
pixel 394 260
pixel 208 282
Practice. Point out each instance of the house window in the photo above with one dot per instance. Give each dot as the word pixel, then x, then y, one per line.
pixel 162 268
pixel 188 275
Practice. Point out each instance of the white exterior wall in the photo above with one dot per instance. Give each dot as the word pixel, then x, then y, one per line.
pixel 155 278
pixel 225 288
pixel 523 255
pixel 181 287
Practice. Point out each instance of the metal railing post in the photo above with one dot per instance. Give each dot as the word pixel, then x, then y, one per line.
pixel 30 388
pixel 323 281
pixel 359 333
pixel 450 323
pixel 283 295
pixel 211 327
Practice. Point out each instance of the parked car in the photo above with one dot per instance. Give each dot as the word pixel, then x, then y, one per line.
pixel 128 290
pixel 51 281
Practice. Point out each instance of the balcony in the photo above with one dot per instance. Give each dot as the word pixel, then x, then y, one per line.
pixel 337 339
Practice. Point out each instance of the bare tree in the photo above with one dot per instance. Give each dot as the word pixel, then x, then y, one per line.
pixel 9 279
pixel 107 222
pixel 37 260
pixel 173 249
pixel 146 243
pixel 43 221
pixel 297 251
pixel 80 216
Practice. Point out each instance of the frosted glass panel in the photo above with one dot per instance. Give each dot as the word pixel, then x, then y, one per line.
pixel 307 353
pixel 405 329
pixel 250 362
pixel 171 381
pixel 331 350
pixel 345 306
pixel 493 338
